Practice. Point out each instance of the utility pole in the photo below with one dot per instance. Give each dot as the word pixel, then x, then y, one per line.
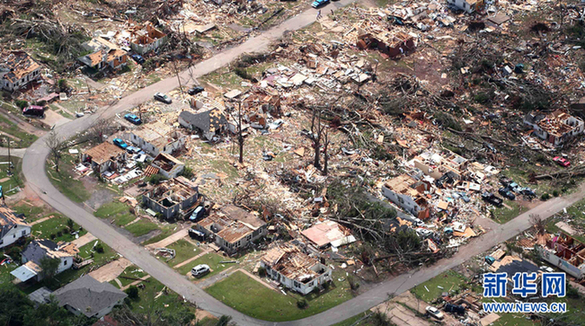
pixel 9 158
pixel 240 137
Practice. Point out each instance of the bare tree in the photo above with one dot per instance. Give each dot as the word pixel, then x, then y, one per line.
pixel 317 132
pixel 240 136
pixel 177 72
pixel 100 128
pixel 325 154
pixel 56 145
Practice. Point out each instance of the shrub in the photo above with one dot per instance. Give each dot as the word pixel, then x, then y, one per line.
pixel 21 104
pixel 555 193
pixel 262 272
pixel 132 292
pixel 353 284
pixel 302 304
pixel 99 248
pixel 187 172
pixel 156 179
pixel 60 233
pixel 545 197
pixel 572 292
pixel 53 236
pixel 326 285
pixel 62 84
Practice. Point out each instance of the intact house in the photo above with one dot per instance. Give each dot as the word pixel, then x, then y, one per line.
pixel 208 123
pixel 292 267
pixel 17 70
pixel 12 227
pixel 146 38
pixel 555 128
pixel 564 252
pixel 89 297
pixel 408 194
pixel 233 228
pixel 103 54
pixel 156 138
pixel 104 157
pixel 36 251
pixel 468 6
pixel 172 198
pixel 167 165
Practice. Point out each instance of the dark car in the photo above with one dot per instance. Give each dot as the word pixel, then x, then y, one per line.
pixel 138 58
pixel 197 235
pixel 34 111
pixel 507 193
pixel 505 181
pixel 195 90
pixel 492 199
pixel 133 118
pixel 163 98
pixel 449 307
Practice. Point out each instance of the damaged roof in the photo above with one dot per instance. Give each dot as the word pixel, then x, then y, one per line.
pixel 8 221
pixel 208 121
pixel 18 64
pixel 39 249
pixel 290 261
pixel 325 233
pixel 104 152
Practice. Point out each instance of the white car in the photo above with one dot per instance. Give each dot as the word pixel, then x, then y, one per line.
pixel 434 312
pixel 200 270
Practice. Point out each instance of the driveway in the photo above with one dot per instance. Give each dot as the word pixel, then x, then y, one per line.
pixel 37 180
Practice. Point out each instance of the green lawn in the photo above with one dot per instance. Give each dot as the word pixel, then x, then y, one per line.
pixel 9 182
pixel 111 209
pixel 141 227
pixel 210 259
pixel 183 251
pixel 88 252
pixel 31 212
pixel 514 320
pixel 131 271
pixel 65 182
pixel 503 214
pixel 54 225
pixel 168 302
pixel 449 281
pixel 357 320
pixel 11 128
pixel 167 230
pixel 246 295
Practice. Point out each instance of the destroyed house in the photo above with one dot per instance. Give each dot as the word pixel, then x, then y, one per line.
pixel 167 165
pixel 392 45
pixel 437 165
pixel 17 70
pixel 156 138
pixel 36 251
pixel 408 194
pixel 104 157
pixel 104 54
pixel 87 296
pixel 12 227
pixel 468 6
pixel 290 266
pixel 555 128
pixel 232 227
pixel 566 253
pixel 146 38
pixel 328 233
pixel 172 198
pixel 208 123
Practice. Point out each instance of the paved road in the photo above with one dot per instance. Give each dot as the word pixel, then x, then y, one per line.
pixel 37 180
pixel 18 152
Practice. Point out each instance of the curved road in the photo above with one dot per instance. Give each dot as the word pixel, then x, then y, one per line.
pixel 34 172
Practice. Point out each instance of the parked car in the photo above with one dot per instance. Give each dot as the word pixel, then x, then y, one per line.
pixel 34 111
pixel 464 197
pixel 120 143
pixel 449 307
pixel 319 3
pixel 138 58
pixel 434 312
pixel 200 270
pixel 528 192
pixel 195 90
pixel 562 161
pixel 133 118
pixel 513 186
pixel 423 233
pixel 507 193
pixel 492 199
pixel 163 98
pixel 505 181
pixel 198 235
pixel 197 214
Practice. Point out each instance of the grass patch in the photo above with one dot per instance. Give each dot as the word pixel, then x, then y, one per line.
pixel 246 295
pixel 504 214
pixel 169 302
pixel 449 281
pixel 9 182
pixel 117 211
pixel 141 227
pixel 183 251
pixel 54 225
pixel 88 252
pixel 357 320
pixel 65 182
pixel 167 230
pixel 514 320
pixel 132 272
pixel 31 212
pixel 24 139
pixel 210 259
